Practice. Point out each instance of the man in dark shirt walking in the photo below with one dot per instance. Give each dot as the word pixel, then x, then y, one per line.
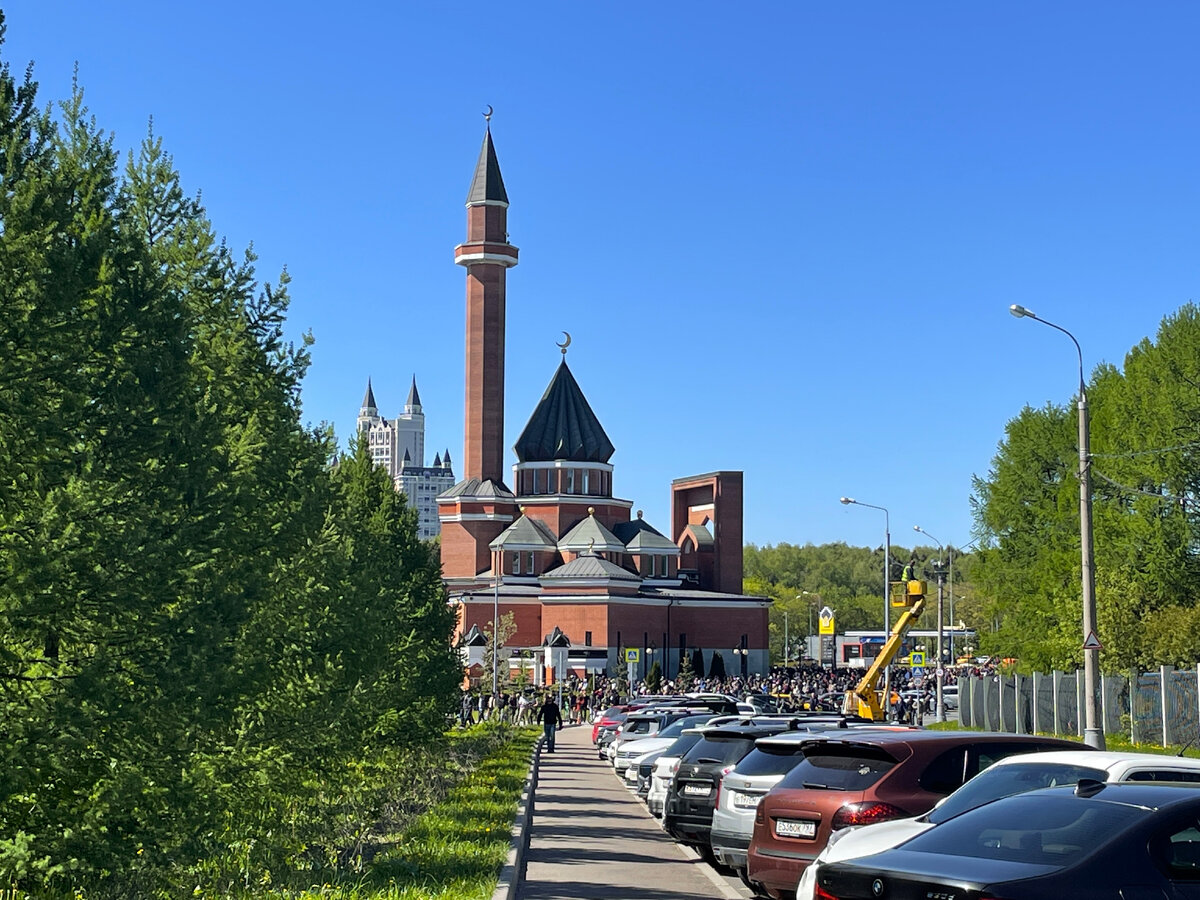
pixel 551 719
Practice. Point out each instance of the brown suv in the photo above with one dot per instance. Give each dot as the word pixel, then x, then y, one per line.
pixel 864 778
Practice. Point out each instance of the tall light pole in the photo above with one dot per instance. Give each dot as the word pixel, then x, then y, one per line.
pixel 785 638
pixel 1093 734
pixel 887 581
pixel 939 671
pixel 496 633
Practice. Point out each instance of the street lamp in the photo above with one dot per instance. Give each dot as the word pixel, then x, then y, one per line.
pixel 812 606
pixel 941 706
pixel 741 652
pixel 1093 734
pixel 887 579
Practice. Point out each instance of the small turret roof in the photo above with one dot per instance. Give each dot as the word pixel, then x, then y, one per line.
pixel 556 638
pixel 474 638
pixel 590 535
pixel 591 566
pixel 475 487
pixel 437 459
pixel 369 397
pixel 414 399
pixel 642 537
pixel 563 426
pixel 487 184
pixel 525 534
pixel 407 458
pixel 701 535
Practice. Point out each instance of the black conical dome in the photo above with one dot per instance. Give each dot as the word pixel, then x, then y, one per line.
pixel 563 426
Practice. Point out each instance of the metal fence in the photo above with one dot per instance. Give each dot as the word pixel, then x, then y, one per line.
pixel 1160 707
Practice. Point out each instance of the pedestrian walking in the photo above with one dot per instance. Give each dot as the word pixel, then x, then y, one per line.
pixel 551 719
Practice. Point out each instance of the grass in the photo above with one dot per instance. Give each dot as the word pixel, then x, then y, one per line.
pixel 453 850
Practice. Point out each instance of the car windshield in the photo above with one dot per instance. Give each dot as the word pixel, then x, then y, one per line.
pixel 1004 781
pixel 724 749
pixel 676 728
pixel 682 745
pixel 1042 829
pixel 846 769
pixel 769 761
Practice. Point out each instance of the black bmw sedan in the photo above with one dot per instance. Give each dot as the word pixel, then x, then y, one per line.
pixel 1133 841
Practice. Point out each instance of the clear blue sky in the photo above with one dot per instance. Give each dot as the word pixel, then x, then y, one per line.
pixel 784 236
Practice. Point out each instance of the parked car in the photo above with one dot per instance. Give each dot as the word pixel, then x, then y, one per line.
pixel 950 696
pixel 760 770
pixel 692 794
pixel 628 747
pixel 1091 840
pixel 1012 775
pixel 869 776
pixel 614 715
pixel 664 770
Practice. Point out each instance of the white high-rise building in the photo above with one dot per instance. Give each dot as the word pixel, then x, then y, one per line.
pixel 398 446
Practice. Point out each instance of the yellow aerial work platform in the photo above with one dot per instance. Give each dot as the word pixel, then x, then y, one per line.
pixel 865 699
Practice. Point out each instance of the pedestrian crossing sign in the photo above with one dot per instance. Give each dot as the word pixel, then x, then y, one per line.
pixel 632 656
pixel 916 658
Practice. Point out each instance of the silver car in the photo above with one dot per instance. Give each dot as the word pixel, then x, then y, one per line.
pixel 759 771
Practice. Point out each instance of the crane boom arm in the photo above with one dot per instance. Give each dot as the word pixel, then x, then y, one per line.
pixel 863 700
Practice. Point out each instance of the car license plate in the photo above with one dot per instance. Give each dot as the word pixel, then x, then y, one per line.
pixel 697 790
pixel 793 828
pixel 745 801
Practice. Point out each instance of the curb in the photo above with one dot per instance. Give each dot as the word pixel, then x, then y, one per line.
pixel 513 871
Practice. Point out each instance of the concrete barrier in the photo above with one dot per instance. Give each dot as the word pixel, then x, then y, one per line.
pixel 513 871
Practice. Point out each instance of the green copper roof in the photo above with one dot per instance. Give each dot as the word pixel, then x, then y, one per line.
pixel 563 426
pixel 487 183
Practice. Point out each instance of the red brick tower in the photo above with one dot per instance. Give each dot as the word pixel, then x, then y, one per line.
pixel 487 256
pixel 480 506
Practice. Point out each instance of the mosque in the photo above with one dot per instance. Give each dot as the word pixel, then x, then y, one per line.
pixel 586 580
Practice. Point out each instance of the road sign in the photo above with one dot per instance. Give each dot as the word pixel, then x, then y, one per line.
pixel 1092 642
pixel 916 658
pixel 632 656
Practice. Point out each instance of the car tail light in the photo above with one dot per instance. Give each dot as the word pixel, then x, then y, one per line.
pixel 759 817
pixel 720 781
pixel 865 814
pixel 819 893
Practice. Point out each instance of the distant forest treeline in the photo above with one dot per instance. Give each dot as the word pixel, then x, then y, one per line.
pixel 1021 587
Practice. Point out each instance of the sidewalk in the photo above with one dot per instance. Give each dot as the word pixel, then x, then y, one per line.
pixel 592 838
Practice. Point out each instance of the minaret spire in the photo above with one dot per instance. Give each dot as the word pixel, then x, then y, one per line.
pixel 487 256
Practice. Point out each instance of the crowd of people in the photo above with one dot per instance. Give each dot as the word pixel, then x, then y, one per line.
pixel 792 688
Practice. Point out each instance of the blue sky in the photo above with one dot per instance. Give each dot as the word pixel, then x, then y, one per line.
pixel 783 236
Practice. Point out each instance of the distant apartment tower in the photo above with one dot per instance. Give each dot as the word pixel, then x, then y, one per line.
pixel 398 446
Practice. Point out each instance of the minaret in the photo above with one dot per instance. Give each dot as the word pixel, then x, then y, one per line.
pixel 480 505
pixel 487 255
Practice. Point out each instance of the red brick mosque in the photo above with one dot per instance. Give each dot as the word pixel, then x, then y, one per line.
pixel 582 576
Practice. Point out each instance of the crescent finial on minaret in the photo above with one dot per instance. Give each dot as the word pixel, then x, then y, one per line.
pixel 487 116
pixel 565 344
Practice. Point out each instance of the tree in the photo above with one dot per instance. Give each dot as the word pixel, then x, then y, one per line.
pixel 685 679
pixel 716 666
pixel 698 662
pixel 497 642
pixel 654 678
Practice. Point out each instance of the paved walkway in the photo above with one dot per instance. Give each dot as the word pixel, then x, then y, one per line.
pixel 592 838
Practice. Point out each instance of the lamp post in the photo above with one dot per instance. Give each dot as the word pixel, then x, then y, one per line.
pixel 939 671
pixel 887 579
pixel 1093 734
pixel 496 628
pixel 740 652
pixel 785 638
